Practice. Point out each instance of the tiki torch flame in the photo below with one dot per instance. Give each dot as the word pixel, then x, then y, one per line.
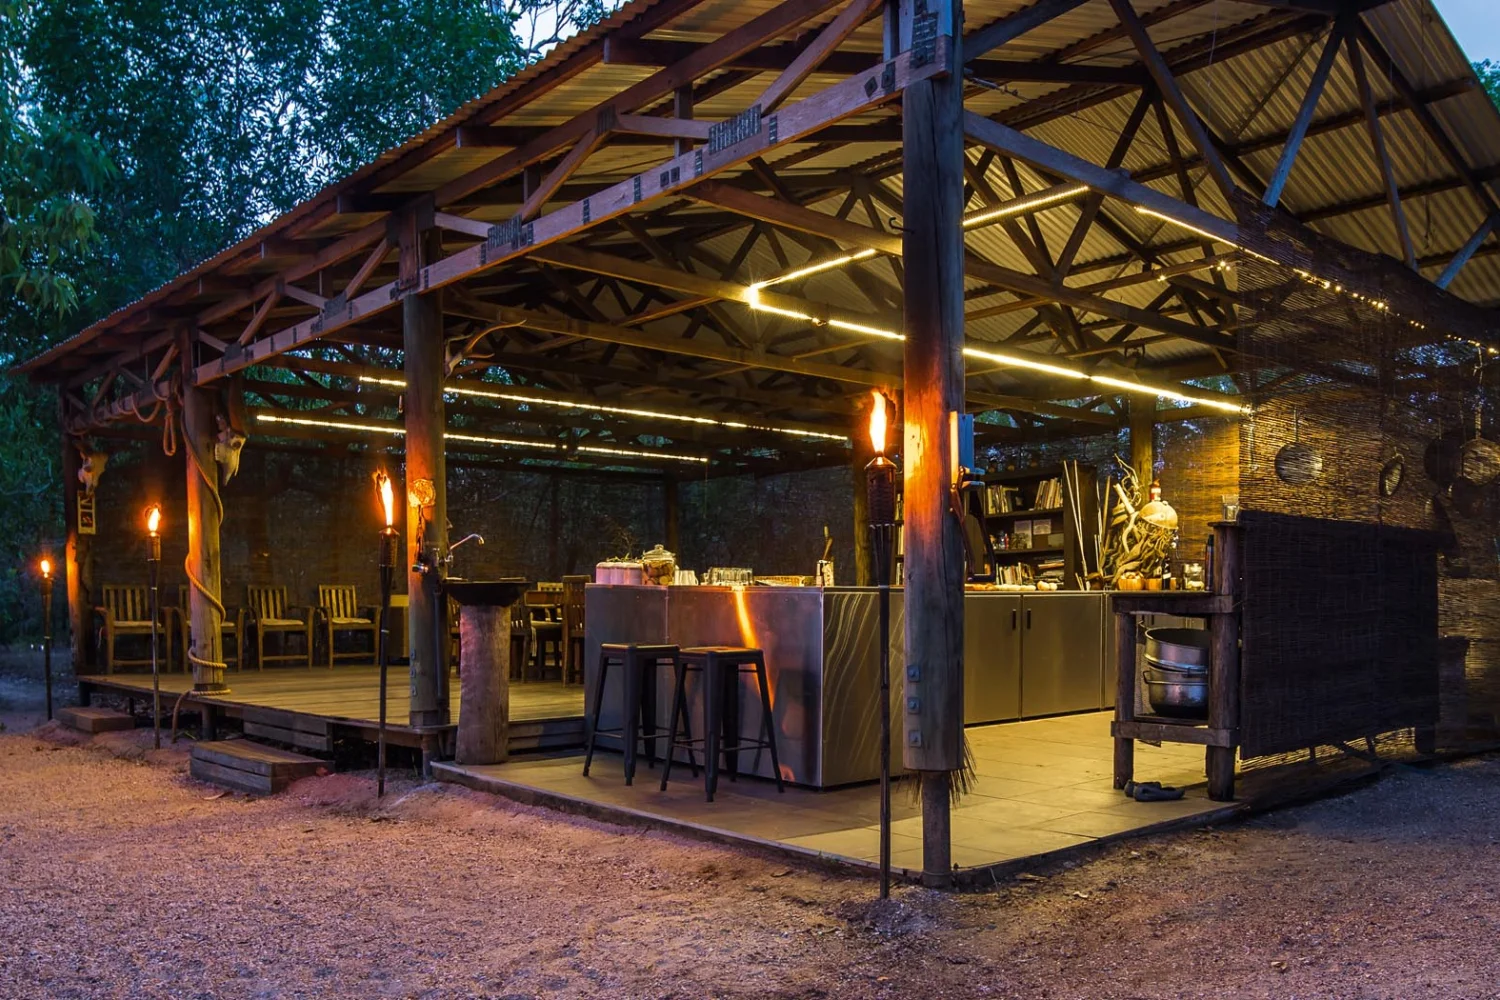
pixel 46 568
pixel 387 498
pixel 153 519
pixel 878 421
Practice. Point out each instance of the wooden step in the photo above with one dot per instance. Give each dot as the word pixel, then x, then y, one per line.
pixel 247 766
pixel 95 720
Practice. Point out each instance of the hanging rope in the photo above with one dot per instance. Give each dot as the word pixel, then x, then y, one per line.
pixel 210 482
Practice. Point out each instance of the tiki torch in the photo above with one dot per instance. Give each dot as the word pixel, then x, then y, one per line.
pixel 153 571
pixel 387 580
pixel 46 568
pixel 880 480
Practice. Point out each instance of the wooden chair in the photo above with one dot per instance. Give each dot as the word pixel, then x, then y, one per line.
pixel 339 609
pixel 573 631
pixel 231 631
pixel 126 612
pixel 520 643
pixel 267 612
pixel 546 629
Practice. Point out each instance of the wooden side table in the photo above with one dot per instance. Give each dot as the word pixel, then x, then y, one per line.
pixel 1220 734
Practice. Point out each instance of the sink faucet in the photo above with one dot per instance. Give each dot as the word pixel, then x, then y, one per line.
pixel 475 537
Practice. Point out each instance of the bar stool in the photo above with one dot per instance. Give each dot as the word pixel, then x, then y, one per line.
pixel 721 667
pixel 638 707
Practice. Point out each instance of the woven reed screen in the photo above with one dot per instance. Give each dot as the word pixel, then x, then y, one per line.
pixel 1339 631
pixel 1369 390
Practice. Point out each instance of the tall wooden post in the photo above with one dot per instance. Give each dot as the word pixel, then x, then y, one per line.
pixel 1143 439
pixel 78 558
pixel 426 477
pixel 859 456
pixel 932 737
pixel 205 513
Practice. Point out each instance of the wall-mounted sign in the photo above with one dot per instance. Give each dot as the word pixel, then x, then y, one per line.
pixel 85 513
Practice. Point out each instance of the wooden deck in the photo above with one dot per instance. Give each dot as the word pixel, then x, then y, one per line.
pixel 344 701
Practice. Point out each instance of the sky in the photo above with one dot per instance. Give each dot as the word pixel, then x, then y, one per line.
pixel 1476 25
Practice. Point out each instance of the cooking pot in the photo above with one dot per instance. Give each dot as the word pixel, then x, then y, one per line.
pixel 1184 649
pixel 1177 695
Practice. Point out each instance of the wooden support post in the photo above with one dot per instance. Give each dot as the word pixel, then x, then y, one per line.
pixel 1143 439
pixel 484 685
pixel 932 736
pixel 205 513
pixel 1125 685
pixel 859 457
pixel 427 529
pixel 79 564
pixel 1224 679
pixel 671 512
pixel 682 107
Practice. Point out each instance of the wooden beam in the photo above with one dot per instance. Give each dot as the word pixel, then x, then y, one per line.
pixel 841 100
pixel 567 167
pixel 994 35
pixel 772 24
pixel 831 37
pixel 668 128
pixel 775 58
pixel 1294 137
pixel 1382 155
pixel 1166 82
pixel 1462 257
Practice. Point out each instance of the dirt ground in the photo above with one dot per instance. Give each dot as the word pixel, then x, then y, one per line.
pixel 122 877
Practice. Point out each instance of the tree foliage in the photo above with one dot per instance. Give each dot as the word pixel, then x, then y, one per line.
pixel 139 137
pixel 1489 78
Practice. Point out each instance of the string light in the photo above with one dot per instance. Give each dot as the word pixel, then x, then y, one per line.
pixel 573 404
pixel 590 449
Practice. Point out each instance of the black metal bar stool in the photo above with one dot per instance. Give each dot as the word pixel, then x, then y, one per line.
pixel 721 667
pixel 638 707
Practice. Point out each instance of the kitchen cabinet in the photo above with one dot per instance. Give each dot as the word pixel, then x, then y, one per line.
pixel 992 658
pixel 1062 653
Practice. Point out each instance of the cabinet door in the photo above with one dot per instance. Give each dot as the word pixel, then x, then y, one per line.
pixel 992 657
pixel 1062 653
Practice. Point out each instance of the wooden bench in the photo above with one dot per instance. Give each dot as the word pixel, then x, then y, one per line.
pixel 95 720
pixel 247 766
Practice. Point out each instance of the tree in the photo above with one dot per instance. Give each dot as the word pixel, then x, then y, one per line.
pixel 1488 72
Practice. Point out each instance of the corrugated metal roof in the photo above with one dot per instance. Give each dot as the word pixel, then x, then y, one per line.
pixel 1243 97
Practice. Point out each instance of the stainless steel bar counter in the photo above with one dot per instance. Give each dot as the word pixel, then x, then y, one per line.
pixel 1025 655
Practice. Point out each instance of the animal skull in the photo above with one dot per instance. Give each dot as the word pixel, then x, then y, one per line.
pixel 91 469
pixel 227 449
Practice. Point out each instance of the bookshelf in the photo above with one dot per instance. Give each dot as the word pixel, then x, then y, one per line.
pixel 1030 520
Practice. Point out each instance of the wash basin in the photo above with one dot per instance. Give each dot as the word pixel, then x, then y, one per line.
pixel 494 593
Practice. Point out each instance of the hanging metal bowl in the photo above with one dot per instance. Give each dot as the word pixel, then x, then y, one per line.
pixel 1298 464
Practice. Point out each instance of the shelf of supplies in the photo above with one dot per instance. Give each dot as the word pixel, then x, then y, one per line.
pixel 999 553
pixel 1024 513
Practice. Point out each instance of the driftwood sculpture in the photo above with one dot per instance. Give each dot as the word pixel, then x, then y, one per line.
pixel 1139 531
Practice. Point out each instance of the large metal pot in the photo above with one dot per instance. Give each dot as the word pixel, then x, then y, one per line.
pixel 1185 649
pixel 1177 694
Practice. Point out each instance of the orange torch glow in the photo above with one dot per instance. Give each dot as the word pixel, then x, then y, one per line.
pixel 46 568
pixel 387 497
pixel 153 519
pixel 878 421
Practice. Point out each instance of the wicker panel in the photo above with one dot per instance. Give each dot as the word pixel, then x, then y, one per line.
pixel 1339 631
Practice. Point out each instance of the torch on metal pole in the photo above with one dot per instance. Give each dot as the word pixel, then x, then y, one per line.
pixel 880 481
pixel 153 570
pixel 47 633
pixel 387 581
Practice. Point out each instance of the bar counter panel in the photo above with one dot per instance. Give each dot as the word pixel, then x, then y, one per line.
pixel 822 662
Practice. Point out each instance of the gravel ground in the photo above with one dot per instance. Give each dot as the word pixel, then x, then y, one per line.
pixel 122 877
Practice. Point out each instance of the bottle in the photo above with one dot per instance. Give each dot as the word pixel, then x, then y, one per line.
pixel 1208 563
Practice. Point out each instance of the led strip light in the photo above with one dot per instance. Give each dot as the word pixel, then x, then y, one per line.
pixel 569 404
pixel 753 300
pixel 272 418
